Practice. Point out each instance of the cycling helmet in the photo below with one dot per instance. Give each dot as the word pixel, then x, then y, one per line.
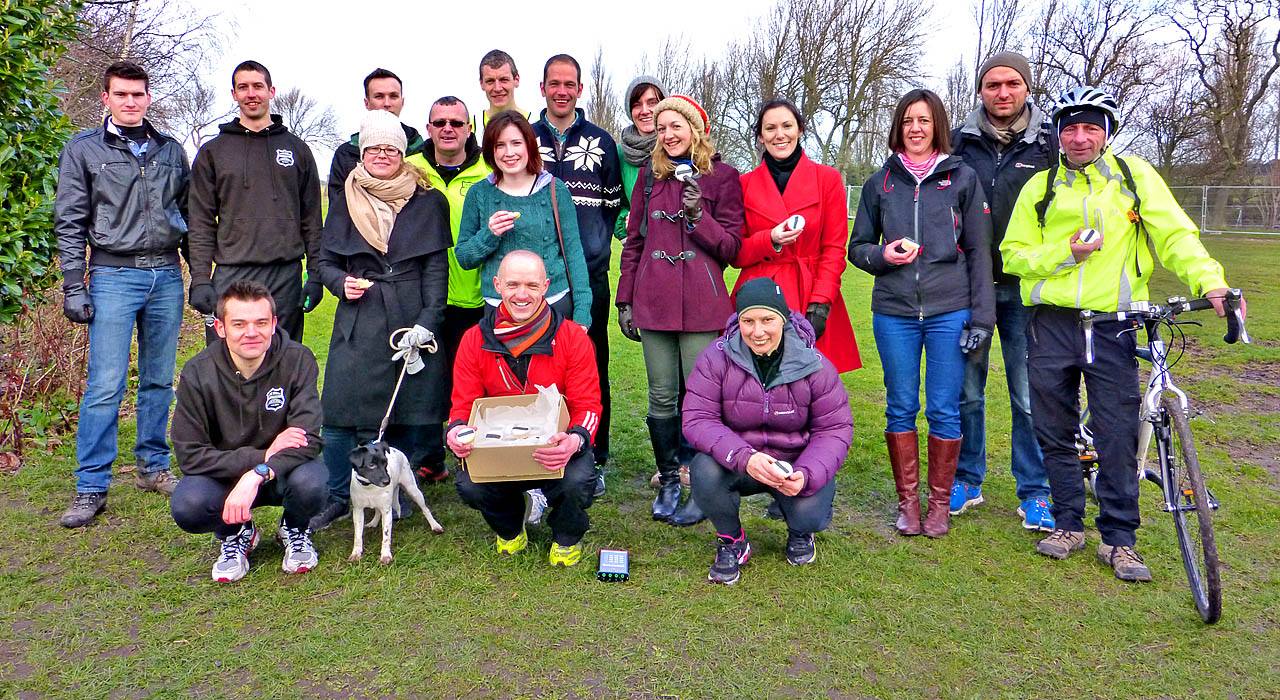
pixel 1088 97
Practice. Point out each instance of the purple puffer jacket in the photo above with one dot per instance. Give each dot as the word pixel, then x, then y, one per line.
pixel 802 417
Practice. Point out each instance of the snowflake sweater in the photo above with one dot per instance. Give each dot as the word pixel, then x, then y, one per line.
pixel 587 161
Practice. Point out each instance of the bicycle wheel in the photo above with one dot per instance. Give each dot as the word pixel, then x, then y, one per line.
pixel 1195 534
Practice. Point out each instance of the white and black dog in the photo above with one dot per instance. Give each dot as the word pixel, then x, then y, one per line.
pixel 378 472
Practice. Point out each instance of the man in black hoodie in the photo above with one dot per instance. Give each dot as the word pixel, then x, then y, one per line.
pixel 246 431
pixel 382 90
pixel 255 207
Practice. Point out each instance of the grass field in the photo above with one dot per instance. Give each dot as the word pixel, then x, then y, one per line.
pixel 126 608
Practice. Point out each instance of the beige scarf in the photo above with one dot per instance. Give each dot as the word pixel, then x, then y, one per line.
pixel 1005 135
pixel 373 203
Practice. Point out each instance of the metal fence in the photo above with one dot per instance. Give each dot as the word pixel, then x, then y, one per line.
pixel 1248 210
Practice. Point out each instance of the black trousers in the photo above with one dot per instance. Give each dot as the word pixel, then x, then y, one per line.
pixel 1056 363
pixel 502 503
pixel 601 312
pixel 283 279
pixel 719 491
pixel 197 502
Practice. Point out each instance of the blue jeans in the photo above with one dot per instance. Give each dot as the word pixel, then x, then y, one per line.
pixel 123 297
pixel 900 340
pixel 1026 462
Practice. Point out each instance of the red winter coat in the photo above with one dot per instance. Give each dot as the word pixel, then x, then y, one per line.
pixel 565 358
pixel 809 269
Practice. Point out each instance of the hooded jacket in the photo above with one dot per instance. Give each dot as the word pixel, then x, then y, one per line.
pixel 117 204
pixel 347 155
pixel 564 357
pixel 947 215
pixel 223 423
pixel 255 200
pixel 464 285
pixel 802 416
pixel 1003 173
pixel 587 162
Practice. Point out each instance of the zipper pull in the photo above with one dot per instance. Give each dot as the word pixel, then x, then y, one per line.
pixel 917 194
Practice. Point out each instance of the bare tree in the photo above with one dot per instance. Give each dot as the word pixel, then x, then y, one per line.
pixel 1236 46
pixel 958 93
pixel 1173 126
pixel 307 120
pixel 603 104
pixel 190 113
pixel 996 20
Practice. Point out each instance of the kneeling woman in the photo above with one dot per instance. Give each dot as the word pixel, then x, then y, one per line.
pixel 766 412
pixel 384 256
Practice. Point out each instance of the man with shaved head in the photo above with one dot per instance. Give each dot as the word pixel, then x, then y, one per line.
pixel 527 344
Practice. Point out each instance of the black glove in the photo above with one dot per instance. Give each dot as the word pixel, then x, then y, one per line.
pixel 973 339
pixel 203 298
pixel 691 199
pixel 817 314
pixel 76 304
pixel 312 295
pixel 625 323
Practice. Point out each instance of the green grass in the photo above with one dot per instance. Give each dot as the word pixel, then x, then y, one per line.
pixel 125 608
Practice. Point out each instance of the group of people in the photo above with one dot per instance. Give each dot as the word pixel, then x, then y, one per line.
pixel 474 263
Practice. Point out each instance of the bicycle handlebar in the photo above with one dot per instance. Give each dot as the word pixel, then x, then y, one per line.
pixel 1145 310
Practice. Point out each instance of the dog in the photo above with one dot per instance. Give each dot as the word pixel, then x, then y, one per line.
pixel 378 472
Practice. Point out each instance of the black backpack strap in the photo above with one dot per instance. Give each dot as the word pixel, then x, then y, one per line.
pixel 644 208
pixel 1043 205
pixel 1140 225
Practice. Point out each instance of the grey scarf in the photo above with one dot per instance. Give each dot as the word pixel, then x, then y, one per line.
pixel 637 147
pixel 1005 136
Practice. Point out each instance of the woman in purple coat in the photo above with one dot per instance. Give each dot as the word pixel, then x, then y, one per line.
pixel 766 412
pixel 685 226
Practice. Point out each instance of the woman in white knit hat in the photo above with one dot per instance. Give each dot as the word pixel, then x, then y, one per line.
pixel 384 257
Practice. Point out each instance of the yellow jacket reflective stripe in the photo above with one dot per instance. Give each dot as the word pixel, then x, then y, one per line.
pixel 1097 197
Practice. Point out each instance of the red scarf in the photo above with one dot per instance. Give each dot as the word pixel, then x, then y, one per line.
pixel 922 169
pixel 519 337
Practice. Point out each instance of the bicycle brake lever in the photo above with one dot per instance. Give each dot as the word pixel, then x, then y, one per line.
pixel 1235 320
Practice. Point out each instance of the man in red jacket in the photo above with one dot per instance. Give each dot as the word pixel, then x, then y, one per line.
pixel 527 344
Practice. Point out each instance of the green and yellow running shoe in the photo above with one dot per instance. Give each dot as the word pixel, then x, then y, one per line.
pixel 565 556
pixel 515 545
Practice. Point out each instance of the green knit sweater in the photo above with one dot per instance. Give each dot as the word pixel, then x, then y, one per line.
pixel 534 231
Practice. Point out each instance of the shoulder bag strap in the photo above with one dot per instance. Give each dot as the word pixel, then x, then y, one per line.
pixel 555 215
pixel 644 211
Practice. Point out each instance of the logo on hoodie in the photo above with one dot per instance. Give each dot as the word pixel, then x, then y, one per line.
pixel 275 399
pixel 284 157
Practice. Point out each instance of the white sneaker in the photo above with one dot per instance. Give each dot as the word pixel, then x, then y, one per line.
pixel 233 555
pixel 299 553
pixel 536 505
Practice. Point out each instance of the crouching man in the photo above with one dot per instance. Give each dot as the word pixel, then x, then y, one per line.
pixel 246 431
pixel 527 344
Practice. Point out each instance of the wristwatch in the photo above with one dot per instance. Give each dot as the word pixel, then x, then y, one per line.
pixel 263 471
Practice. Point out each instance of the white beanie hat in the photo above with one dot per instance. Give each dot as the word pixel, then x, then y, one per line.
pixel 382 128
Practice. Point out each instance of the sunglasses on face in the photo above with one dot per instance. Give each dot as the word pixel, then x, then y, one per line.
pixel 439 123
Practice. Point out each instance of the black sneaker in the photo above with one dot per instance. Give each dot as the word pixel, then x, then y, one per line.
pixel 730 556
pixel 83 509
pixel 598 487
pixel 336 510
pixel 801 548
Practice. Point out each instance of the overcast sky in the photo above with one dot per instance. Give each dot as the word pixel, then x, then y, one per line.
pixel 326 48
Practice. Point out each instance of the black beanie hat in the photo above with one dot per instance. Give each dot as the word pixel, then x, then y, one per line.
pixel 762 293
pixel 1084 115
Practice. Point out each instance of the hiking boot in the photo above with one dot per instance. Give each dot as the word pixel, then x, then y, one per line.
pixel 162 481
pixel 731 554
pixel 1125 562
pixel 333 512
pixel 565 556
pixel 514 545
pixel 801 548
pixel 535 506
pixel 233 554
pixel 964 497
pixel 83 509
pixel 1036 515
pixel 299 553
pixel 1061 543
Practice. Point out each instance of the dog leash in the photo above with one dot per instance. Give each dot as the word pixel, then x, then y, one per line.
pixel 430 346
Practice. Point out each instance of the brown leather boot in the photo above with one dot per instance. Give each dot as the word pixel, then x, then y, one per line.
pixel 943 455
pixel 904 458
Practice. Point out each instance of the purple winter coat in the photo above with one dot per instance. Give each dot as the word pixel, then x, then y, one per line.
pixel 802 417
pixel 668 292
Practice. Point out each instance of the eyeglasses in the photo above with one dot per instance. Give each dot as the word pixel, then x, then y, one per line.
pixel 455 123
pixel 389 151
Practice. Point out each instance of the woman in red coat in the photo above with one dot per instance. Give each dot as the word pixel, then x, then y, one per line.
pixel 807 261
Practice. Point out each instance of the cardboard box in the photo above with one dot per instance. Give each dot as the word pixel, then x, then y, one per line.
pixel 488 464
